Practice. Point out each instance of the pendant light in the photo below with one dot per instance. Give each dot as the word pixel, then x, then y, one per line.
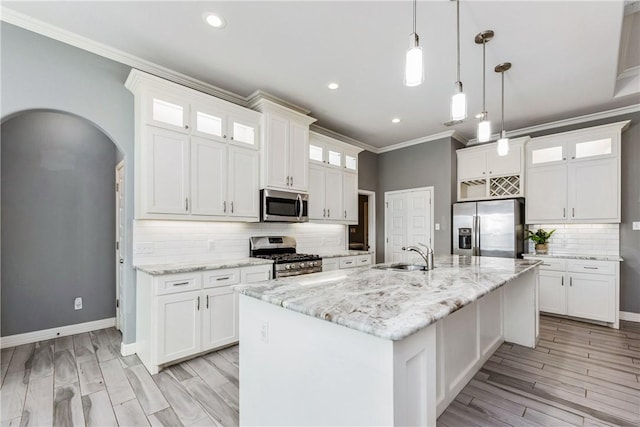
pixel 459 99
pixel 484 127
pixel 503 142
pixel 414 68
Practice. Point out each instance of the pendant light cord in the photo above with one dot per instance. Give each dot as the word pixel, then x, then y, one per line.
pixel 458 32
pixel 484 85
pixel 414 15
pixel 502 101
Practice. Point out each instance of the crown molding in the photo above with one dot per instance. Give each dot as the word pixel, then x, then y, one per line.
pixel 567 122
pixel 259 95
pixel 343 138
pixel 422 139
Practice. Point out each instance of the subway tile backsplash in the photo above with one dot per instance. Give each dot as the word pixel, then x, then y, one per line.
pixel 160 242
pixel 581 239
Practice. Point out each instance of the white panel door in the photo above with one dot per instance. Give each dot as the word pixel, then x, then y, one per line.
pixel 396 227
pixel 418 221
pixel 472 165
pixel 333 194
pixel 179 323
pixel 277 152
pixel 244 183
pixel 553 293
pixel 505 165
pixel 220 320
pixel 593 190
pixel 167 176
pixel 546 194
pixel 299 163
pixel 208 176
pixel 591 296
pixel 350 197
pixel 316 205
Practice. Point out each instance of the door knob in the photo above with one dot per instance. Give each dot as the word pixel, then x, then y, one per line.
pixel 121 261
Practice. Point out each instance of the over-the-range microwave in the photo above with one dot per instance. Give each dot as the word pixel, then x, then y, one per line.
pixel 283 206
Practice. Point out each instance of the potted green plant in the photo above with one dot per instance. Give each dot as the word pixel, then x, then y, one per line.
pixel 540 238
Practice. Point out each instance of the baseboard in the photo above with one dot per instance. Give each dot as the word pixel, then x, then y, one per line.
pixel 631 317
pixel 63 331
pixel 128 349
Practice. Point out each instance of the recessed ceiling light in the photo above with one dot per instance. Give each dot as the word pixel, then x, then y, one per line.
pixel 333 85
pixel 214 20
pixel 395 120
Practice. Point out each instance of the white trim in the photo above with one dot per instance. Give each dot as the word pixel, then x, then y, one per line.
pixel 629 316
pixel 567 122
pixel 445 134
pixel 127 349
pixel 343 138
pixel 63 331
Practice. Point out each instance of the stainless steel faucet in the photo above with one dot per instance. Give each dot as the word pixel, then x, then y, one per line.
pixel 427 257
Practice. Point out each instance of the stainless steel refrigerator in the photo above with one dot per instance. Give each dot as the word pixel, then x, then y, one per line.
pixel 489 228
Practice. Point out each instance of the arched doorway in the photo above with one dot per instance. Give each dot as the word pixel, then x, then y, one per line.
pixel 58 221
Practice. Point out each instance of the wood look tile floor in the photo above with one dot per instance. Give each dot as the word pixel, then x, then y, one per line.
pixel 579 375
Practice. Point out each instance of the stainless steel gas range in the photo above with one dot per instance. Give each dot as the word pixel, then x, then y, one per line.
pixel 282 250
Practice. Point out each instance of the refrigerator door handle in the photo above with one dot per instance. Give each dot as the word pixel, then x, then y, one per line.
pixel 476 236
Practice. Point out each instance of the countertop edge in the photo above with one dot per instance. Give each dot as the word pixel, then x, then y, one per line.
pixel 174 268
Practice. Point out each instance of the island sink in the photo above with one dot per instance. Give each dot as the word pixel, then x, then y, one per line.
pixel 401 267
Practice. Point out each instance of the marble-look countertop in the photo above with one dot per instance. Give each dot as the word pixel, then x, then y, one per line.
pixel 185 267
pixel 390 304
pixel 569 256
pixel 340 254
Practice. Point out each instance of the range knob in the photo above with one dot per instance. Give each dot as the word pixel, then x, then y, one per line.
pixel 302 265
pixel 287 267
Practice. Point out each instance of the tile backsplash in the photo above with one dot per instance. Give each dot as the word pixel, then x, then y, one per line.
pixel 581 239
pixel 160 242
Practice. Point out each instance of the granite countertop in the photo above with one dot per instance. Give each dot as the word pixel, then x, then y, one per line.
pixel 389 304
pixel 185 267
pixel 344 253
pixel 587 257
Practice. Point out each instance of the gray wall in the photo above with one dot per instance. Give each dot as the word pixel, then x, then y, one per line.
pixel 58 222
pixel 423 165
pixel 629 239
pixel 40 73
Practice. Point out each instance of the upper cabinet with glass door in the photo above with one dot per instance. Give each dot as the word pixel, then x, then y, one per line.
pixel 575 176
pixel 231 124
pixel 332 153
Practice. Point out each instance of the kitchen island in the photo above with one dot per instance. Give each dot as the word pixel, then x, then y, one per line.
pixel 368 346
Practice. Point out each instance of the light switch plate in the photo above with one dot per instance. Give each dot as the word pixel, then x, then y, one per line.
pixel 437 226
pixel 636 225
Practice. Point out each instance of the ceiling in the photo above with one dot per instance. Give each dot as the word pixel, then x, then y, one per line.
pixel 564 56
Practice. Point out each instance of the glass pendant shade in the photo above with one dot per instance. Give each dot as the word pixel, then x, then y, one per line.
pixel 484 130
pixel 414 70
pixel 459 105
pixel 503 144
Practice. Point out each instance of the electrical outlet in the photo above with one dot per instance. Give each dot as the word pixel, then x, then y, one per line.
pixel 437 226
pixel 77 303
pixel 264 332
pixel 143 248
pixel 636 225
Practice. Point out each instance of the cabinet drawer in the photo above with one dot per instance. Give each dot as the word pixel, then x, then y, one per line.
pixel 173 283
pixel 215 278
pixel 553 264
pixel 364 260
pixel 348 262
pixel 593 267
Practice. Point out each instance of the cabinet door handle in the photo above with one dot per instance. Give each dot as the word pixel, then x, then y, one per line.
pixel 345 214
pixel 564 212
pixel 186 204
pixel 292 181
pixel 287 181
pixel 573 212
pixel 562 281
pixel 181 284
pixel 231 207
pixel 324 213
pixel 198 304
pixel 570 281
pixel 207 301
pixel 329 213
pixel 224 207
pixel 224 136
pixel 590 268
pixel 186 126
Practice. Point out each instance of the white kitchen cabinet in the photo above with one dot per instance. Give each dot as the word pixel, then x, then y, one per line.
pixel 575 176
pixel 185 314
pixel 484 175
pixel 285 147
pixel 333 180
pixel 330 264
pixel 167 172
pixel 344 262
pixel 584 289
pixel 179 325
pixel 188 145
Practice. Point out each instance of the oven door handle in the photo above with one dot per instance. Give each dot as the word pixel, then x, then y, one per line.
pixel 300 210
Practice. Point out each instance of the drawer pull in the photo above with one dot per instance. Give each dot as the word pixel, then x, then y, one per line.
pixel 364 260
pixel 181 284
pixel 348 262
pixel 223 278
pixel 590 268
pixel 562 281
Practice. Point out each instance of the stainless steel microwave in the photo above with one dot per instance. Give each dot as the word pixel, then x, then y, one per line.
pixel 283 206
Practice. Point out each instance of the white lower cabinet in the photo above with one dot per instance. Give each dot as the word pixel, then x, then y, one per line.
pixel 181 315
pixel 586 289
pixel 338 263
